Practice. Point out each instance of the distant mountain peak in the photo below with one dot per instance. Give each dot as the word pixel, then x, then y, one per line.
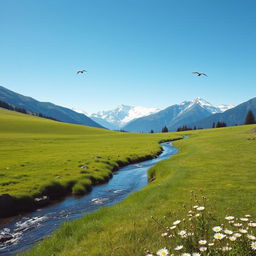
pixel 122 114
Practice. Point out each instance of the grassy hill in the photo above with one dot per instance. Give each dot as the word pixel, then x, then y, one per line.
pixel 220 163
pixel 40 156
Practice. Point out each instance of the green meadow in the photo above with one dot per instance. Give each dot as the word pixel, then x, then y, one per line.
pixel 217 163
pixel 40 156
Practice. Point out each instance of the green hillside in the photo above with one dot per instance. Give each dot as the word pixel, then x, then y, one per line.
pixel 218 163
pixel 37 154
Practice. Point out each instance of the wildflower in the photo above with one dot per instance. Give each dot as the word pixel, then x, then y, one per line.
pixel 226 248
pixel 162 252
pixel 229 217
pixel 164 234
pixel 182 232
pixel 149 254
pixel 198 215
pixel 176 222
pixel 172 227
pixel 253 245
pixel 243 231
pixel 202 242
pixel 195 206
pixel 248 216
pixel 238 224
pixel 251 237
pixel 217 229
pixel 237 235
pixel 232 238
pixel 228 232
pixel 203 249
pixel 219 236
pixel 211 244
pixel 185 254
pixel 244 219
pixel 252 224
pixel 190 233
pixel 196 254
pixel 179 247
pixel 200 208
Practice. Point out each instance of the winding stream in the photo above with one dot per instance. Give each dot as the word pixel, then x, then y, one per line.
pixel 29 228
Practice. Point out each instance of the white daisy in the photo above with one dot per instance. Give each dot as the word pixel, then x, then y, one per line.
pixel 182 232
pixel 228 232
pixel 211 244
pixel 243 231
pixel 217 229
pixel 219 236
pixel 203 249
pixel 172 227
pixel 202 242
pixel 229 217
pixel 232 238
pixel 195 206
pixel 252 224
pixel 162 252
pixel 164 234
pixel 251 237
pixel 248 216
pixel 244 219
pixel 237 235
pixel 179 247
pixel 176 222
pixel 238 224
pixel 200 208
pixel 253 245
pixel 185 254
pixel 196 254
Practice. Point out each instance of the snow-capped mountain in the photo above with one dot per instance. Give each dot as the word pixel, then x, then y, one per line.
pixel 177 115
pixel 117 118
pixel 223 108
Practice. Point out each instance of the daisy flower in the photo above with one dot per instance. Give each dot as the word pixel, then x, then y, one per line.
pixel 200 208
pixel 219 236
pixel 244 219
pixel 251 237
pixel 202 242
pixel 185 254
pixel 203 249
pixel 228 232
pixel 217 229
pixel 232 238
pixel 253 245
pixel 243 231
pixel 252 224
pixel 176 222
pixel 179 247
pixel 162 252
pixel 237 235
pixel 229 217
pixel 196 254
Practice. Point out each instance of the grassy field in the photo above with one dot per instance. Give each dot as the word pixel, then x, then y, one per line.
pixel 219 163
pixel 40 156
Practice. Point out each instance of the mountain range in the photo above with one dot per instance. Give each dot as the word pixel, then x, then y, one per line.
pixel 46 108
pixel 117 118
pixel 177 115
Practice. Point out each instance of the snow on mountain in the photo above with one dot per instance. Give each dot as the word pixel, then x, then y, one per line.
pixel 223 108
pixel 123 114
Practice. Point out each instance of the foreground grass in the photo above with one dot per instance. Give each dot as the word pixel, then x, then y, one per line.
pixel 219 162
pixel 40 156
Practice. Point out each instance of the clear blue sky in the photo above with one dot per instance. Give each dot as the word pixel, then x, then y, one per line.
pixel 137 52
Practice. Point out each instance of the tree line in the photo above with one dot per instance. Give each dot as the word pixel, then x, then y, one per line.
pixel 5 105
pixel 250 119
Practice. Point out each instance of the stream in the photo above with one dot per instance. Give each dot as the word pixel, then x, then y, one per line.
pixel 29 228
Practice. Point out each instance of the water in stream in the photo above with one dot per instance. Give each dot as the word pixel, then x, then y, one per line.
pixel 32 227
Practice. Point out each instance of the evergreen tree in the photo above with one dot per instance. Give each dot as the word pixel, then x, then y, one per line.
pixel 213 125
pixel 152 131
pixel 250 119
pixel 165 129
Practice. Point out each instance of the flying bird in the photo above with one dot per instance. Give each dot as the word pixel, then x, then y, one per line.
pixel 199 74
pixel 81 71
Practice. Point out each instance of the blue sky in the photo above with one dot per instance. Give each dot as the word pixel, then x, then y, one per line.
pixel 137 52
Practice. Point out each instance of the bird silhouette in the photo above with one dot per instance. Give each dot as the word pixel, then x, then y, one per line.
pixel 81 71
pixel 199 74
